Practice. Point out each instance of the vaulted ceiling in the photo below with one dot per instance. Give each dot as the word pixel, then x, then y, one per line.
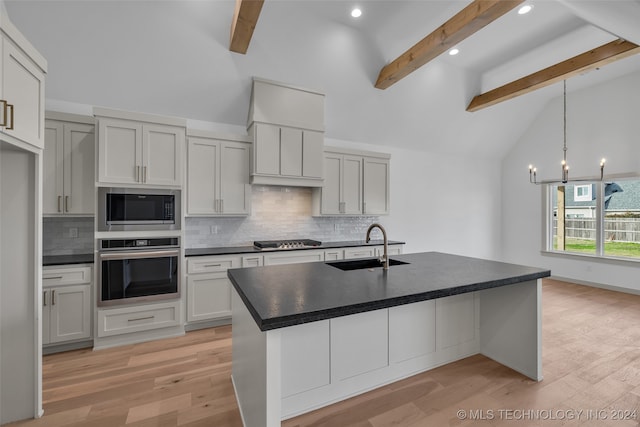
pixel 172 57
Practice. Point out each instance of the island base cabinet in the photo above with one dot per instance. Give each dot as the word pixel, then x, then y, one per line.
pixel 282 373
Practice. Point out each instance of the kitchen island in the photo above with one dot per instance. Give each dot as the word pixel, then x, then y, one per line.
pixel 308 335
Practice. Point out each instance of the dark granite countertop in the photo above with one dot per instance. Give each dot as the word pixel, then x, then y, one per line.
pixel 67 259
pixel 285 295
pixel 231 250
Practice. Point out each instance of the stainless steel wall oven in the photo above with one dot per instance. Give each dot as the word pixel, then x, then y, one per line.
pixel 138 270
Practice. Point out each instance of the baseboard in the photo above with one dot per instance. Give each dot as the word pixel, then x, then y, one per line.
pixel 597 285
pixel 59 348
pixel 207 324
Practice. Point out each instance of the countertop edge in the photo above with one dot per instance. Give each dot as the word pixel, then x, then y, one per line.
pixel 298 319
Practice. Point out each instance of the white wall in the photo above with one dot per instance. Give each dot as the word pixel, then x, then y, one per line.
pixel 602 121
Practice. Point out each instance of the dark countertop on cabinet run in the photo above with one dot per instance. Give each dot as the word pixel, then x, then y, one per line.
pixel 231 250
pixel 285 295
pixel 67 259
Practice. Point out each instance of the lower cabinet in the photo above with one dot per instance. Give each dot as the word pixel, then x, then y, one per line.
pixel 209 288
pixel 66 304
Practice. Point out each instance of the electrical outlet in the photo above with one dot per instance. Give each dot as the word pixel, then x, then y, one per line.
pixel 73 232
pixel 214 229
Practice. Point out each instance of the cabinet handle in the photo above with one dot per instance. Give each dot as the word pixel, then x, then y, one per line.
pixel 140 318
pixel 53 297
pixel 66 203
pixel 144 174
pixel 44 298
pixel 59 203
pixel 4 112
pixel 10 127
pixel 364 207
pixel 137 173
pixel 212 265
pixel 53 278
pixel 221 205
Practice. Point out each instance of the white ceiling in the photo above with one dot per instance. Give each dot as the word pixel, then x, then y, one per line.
pixel 172 57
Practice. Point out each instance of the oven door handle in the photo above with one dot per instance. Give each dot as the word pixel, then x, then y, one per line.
pixel 139 254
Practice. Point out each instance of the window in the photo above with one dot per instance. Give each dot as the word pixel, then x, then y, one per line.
pixel 600 219
pixel 582 193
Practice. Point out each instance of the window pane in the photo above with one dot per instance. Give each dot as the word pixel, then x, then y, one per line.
pixel 574 218
pixel 622 218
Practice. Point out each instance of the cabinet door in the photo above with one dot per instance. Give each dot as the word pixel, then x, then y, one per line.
pixel 376 186
pixel 266 160
pixel 70 313
pixel 23 87
pixel 208 296
pixel 79 168
pixel 120 151
pixel 290 152
pixel 235 191
pixel 202 176
pixel 331 202
pixel 52 167
pixel 162 155
pixel 352 185
pixel 312 154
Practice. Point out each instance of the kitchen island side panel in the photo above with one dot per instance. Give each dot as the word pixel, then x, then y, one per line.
pixel 511 327
pixel 256 368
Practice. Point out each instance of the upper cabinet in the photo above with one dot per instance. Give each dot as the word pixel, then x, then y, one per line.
pixel 21 88
pixel 356 183
pixel 218 175
pixel 286 124
pixel 69 165
pixel 139 149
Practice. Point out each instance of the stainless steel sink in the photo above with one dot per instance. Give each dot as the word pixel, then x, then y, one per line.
pixel 362 264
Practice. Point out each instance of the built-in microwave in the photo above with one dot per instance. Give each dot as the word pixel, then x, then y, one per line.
pixel 132 209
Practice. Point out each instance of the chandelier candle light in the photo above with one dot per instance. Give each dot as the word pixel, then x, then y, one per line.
pixel 565 167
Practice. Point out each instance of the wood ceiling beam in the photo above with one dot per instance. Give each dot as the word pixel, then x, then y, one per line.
pixel 468 21
pixel 244 22
pixel 594 58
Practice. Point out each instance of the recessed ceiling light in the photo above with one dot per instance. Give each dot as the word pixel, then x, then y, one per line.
pixel 454 51
pixel 525 9
pixel 356 13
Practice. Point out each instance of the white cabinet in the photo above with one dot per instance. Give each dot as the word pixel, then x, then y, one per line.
pixel 133 152
pixel 68 168
pixel 356 183
pixel 118 321
pixel 342 189
pixel 21 93
pixel 218 177
pixel 333 254
pixel 66 304
pixel 294 257
pixel 371 251
pixel 208 287
pixel 286 156
pixel 375 186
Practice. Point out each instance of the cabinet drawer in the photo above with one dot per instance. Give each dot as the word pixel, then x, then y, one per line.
pixel 66 276
pixel 252 261
pixel 135 319
pixel 360 252
pixel 294 257
pixel 212 264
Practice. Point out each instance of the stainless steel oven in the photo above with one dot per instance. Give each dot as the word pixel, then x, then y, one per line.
pixel 138 270
pixel 138 209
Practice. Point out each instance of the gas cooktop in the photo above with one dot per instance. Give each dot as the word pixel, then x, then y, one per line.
pixel 286 244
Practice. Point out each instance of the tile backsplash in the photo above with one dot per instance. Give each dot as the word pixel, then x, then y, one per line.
pixel 277 213
pixel 57 235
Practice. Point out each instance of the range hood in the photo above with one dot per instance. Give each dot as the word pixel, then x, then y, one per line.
pixel 287 127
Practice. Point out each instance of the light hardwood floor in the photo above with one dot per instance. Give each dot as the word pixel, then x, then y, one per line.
pixel 591 363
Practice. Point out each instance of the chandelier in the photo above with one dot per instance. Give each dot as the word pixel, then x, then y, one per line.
pixel 564 165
